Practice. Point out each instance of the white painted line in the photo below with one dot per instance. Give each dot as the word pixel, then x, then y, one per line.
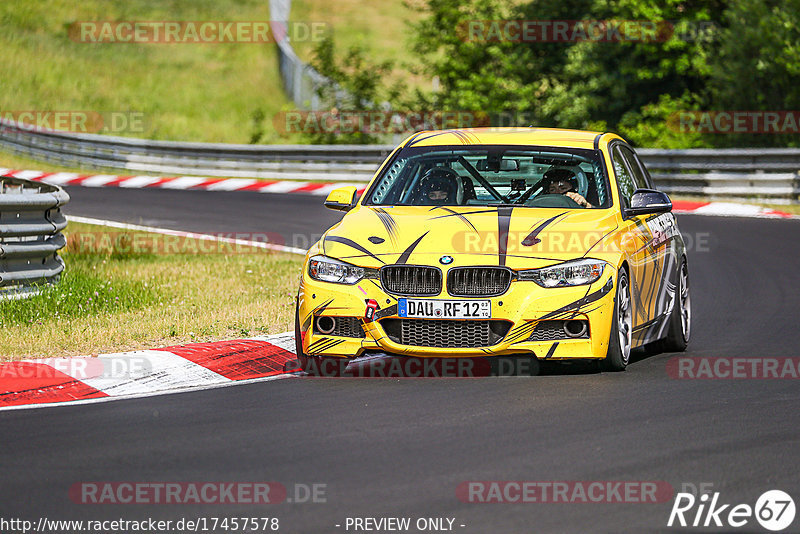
pixel 192 235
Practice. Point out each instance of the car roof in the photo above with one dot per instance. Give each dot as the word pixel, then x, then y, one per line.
pixel 505 136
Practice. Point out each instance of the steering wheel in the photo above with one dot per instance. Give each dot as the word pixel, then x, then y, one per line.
pixel 552 201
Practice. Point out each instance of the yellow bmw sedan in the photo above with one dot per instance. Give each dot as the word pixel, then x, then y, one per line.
pixel 544 243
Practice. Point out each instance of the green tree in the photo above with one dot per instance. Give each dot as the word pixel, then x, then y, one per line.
pixel 475 73
pixel 353 85
pixel 757 66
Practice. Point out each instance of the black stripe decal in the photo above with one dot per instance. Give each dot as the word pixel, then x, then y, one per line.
pixel 318 309
pixel 459 215
pixel 551 351
pixel 388 223
pixel 503 223
pixel 407 252
pixel 351 243
pixel 329 346
pixel 532 238
pixel 600 293
pixel 596 242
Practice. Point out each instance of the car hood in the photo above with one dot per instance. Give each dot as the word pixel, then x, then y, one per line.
pixel 519 238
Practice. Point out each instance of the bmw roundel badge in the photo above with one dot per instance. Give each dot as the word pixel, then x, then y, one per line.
pixel 446 260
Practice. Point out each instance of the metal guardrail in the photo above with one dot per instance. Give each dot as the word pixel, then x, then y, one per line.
pixel 300 80
pixel 725 173
pixel 30 235
pixel 770 173
pixel 130 155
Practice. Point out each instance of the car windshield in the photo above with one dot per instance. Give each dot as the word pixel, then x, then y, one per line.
pixel 492 176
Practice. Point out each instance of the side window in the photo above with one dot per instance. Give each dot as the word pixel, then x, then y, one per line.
pixel 624 177
pixel 639 178
pixel 648 178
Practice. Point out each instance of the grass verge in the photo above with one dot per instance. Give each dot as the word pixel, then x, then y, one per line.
pixel 216 92
pixel 382 28
pixel 126 290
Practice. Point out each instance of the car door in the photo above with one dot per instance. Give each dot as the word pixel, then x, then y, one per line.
pixel 643 259
pixel 666 243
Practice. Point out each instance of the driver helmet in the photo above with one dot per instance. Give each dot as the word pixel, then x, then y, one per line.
pixel 559 181
pixel 439 186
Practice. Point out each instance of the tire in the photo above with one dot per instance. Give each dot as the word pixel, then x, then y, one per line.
pixel 315 365
pixel 619 340
pixel 302 358
pixel 679 326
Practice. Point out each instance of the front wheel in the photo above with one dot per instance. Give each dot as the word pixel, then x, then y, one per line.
pixel 619 341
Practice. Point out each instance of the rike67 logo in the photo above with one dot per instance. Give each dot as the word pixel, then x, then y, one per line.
pixel 774 510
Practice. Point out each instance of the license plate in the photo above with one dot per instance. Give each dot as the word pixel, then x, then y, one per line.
pixel 444 309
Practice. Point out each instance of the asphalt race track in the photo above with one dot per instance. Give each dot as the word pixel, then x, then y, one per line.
pixel 400 447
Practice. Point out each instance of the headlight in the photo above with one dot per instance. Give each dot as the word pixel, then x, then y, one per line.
pixel 327 269
pixel 571 273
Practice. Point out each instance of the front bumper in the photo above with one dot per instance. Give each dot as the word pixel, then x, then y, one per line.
pixel 524 305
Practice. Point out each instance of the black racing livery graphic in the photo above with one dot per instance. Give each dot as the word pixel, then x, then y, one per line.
pixel 521 332
pixel 351 243
pixel 464 137
pixel 317 310
pixel 578 304
pixel 503 223
pixel 461 216
pixel 375 240
pixel 323 344
pixel 532 238
pixel 552 351
pixel 407 252
pixel 590 249
pixel 388 223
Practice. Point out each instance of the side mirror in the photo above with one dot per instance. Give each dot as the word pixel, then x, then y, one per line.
pixel 341 199
pixel 646 201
